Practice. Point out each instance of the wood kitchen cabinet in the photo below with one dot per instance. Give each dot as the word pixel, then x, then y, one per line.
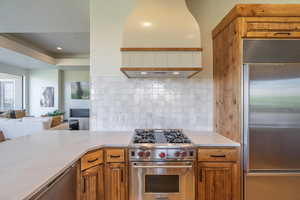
pixel 218 177
pixel 91 184
pixel 244 21
pixel 115 181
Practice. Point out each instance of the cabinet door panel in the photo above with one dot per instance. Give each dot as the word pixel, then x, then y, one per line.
pixel 216 182
pixel 115 181
pixel 92 184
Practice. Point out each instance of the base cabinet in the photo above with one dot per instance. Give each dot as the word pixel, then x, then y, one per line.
pixel 92 183
pixel 218 174
pixel 216 181
pixel 115 181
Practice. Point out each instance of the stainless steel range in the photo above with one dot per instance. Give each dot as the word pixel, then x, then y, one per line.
pixel 161 165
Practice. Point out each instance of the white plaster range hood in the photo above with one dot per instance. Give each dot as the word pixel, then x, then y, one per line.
pixel 161 39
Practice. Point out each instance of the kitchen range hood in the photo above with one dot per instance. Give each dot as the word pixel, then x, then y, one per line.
pixel 161 39
pixel 160 72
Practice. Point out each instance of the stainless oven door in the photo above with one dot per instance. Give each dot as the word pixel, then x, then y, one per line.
pixel 162 181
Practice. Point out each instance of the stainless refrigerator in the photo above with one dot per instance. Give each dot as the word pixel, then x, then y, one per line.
pixel 271 119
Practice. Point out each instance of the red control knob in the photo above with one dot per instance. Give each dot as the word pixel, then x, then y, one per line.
pixel 147 154
pixel 141 154
pixel 162 155
pixel 177 154
pixel 183 154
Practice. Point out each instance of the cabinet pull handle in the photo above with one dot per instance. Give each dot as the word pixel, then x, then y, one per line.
pixel 122 176
pixel 218 156
pixel 84 185
pixel 200 175
pixel 282 33
pixel 115 156
pixel 91 161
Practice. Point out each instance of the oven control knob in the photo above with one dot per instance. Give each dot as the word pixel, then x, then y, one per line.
pixel 147 154
pixel 184 154
pixel 177 154
pixel 141 154
pixel 162 155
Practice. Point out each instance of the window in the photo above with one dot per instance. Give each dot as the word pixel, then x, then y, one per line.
pixel 7 94
pixel 11 92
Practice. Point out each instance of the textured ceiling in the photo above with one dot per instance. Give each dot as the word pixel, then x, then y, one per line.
pixel 46 16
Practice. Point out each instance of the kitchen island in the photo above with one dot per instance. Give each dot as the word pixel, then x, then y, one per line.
pixel 30 163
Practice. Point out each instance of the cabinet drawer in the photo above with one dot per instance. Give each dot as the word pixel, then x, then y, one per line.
pixel 272 27
pixel 91 159
pixel 273 35
pixel 115 155
pixel 217 155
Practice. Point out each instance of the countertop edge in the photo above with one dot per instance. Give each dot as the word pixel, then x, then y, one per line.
pixel 37 190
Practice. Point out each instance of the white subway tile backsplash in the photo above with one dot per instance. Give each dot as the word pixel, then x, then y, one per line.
pixel 126 104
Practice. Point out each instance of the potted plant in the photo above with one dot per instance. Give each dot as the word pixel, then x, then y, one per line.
pixel 56 113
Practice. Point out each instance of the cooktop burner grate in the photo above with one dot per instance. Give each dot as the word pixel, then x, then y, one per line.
pixel 160 136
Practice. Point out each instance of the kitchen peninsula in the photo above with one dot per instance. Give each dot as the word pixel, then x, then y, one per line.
pixel 32 162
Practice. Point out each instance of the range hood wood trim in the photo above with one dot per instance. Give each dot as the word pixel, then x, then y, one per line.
pixel 161 49
pixel 149 69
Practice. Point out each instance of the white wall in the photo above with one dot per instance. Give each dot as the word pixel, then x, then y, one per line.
pixel 209 13
pixel 39 79
pixel 18 72
pixel 74 76
pixel 106 28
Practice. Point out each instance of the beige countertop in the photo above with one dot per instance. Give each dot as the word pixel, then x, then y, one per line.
pixel 29 163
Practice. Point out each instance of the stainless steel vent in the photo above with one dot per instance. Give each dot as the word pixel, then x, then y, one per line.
pixel 163 72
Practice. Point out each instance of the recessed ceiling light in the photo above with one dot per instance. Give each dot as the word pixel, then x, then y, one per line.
pixel 144 73
pixel 147 24
pixel 175 73
pixel 58 48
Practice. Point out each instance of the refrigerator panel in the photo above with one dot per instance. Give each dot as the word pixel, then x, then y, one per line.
pixel 271 51
pixel 274 117
pixel 269 187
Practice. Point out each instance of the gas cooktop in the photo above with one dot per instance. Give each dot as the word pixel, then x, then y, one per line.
pixel 160 136
pixel 161 145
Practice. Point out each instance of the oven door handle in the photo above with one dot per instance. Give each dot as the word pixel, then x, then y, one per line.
pixel 162 166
